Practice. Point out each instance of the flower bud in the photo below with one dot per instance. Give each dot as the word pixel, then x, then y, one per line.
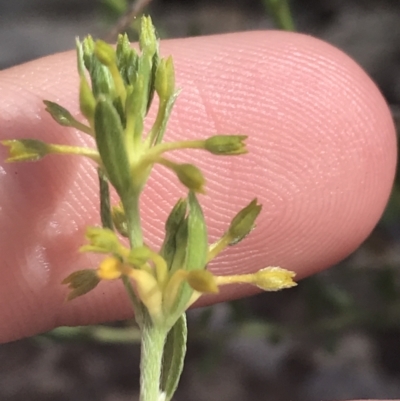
pixel 226 145
pixel 274 279
pixel 80 283
pixel 25 150
pixel 59 114
pixel 202 281
pixel 105 53
pixel 165 78
pixel 243 222
pixel 102 240
pixel 191 177
pixel 147 39
pixel 87 102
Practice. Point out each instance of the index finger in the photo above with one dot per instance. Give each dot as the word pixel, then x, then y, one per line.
pixel 322 161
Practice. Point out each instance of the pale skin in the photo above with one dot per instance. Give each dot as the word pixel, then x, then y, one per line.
pixel 322 161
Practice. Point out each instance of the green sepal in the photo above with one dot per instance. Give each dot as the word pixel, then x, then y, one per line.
pixel 25 150
pixel 174 221
pixel 173 357
pixel 111 146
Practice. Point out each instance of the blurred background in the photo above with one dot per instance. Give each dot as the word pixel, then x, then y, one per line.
pixel 334 337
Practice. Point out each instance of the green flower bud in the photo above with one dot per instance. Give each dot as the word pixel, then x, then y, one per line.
pixel 59 114
pixel 202 281
pixel 88 46
pixel 101 79
pixel 102 240
pixel 147 40
pixel 243 222
pixel 105 53
pixel 80 283
pixel 226 144
pixel 25 150
pixel 165 78
pixel 191 176
pixel 127 60
pixel 87 101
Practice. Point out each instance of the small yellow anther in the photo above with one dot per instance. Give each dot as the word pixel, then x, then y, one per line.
pixel 110 268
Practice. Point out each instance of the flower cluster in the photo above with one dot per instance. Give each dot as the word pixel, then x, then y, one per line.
pixel 165 283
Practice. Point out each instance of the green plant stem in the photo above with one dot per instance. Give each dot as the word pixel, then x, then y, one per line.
pixel 281 14
pixel 132 213
pixel 153 338
pixel 152 348
pixel 105 205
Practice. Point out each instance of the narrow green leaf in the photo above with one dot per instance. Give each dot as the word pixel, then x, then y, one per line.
pixel 196 250
pixel 173 357
pixel 197 247
pixel 166 108
pixel 111 146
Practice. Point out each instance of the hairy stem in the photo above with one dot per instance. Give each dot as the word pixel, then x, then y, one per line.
pixel 152 348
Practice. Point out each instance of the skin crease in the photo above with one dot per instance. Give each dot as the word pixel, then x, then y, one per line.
pixel 322 162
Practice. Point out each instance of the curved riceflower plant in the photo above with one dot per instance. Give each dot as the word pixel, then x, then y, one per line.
pixel 117 86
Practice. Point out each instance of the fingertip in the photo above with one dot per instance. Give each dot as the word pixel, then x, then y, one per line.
pixel 322 161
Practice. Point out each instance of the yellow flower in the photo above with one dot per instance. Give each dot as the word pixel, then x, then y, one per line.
pixel 267 279
pixel 165 290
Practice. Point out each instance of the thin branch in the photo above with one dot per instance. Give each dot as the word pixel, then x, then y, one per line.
pixel 125 20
